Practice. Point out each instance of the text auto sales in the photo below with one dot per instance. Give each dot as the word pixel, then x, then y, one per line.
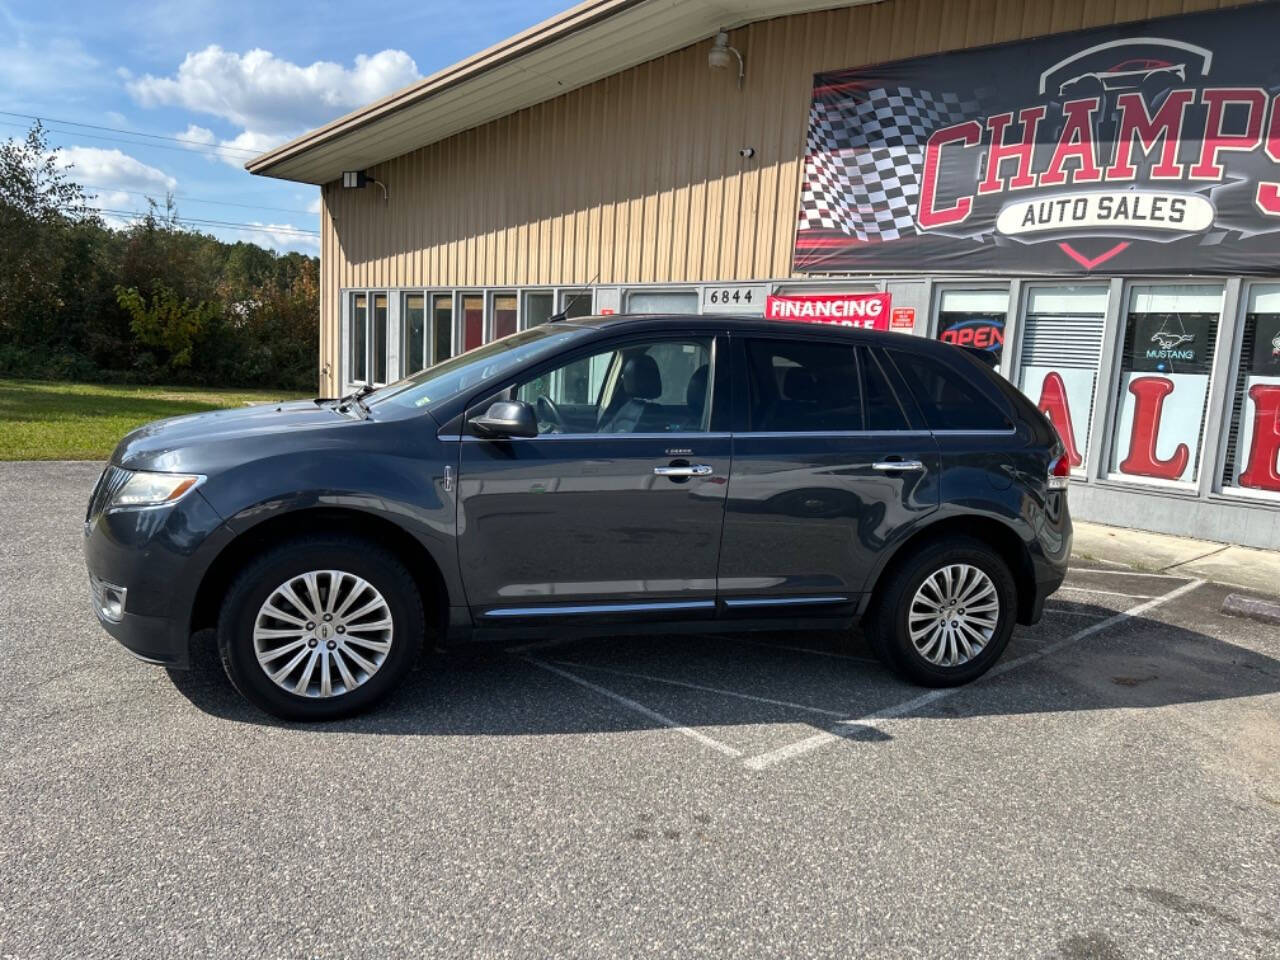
pixel 1010 163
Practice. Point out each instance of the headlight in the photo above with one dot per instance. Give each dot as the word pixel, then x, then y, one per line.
pixel 153 489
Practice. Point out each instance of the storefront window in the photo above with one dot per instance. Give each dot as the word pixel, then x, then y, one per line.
pixel 357 341
pixel 1058 362
pixel 975 319
pixel 415 332
pixel 472 321
pixel 662 301
pixel 1253 437
pixel 442 322
pixel 537 308
pixel 379 338
pixel 504 315
pixel 575 303
pixel 1163 387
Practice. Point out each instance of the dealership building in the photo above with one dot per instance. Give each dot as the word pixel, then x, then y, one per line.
pixel 1087 191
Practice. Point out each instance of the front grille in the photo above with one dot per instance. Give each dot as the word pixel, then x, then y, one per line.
pixel 109 484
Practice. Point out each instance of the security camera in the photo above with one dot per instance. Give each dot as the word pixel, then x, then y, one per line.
pixel 746 153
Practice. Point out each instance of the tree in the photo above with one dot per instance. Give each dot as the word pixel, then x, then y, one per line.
pixel 38 204
pixel 152 301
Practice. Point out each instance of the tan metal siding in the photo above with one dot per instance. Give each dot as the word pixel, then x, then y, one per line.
pixel 636 178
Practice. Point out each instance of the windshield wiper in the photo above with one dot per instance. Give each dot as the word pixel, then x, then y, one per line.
pixel 341 403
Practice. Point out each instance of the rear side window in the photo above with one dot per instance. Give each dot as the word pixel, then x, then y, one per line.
pixel 883 411
pixel 947 400
pixel 803 386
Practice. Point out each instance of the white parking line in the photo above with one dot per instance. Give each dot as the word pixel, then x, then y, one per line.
pixel 1126 573
pixel 640 708
pixel 698 686
pixel 809 744
pixel 1109 593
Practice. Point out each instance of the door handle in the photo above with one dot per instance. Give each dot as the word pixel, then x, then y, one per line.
pixel 889 466
pixel 692 470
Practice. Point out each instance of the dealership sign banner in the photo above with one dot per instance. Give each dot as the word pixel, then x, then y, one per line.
pixel 1151 147
pixel 870 311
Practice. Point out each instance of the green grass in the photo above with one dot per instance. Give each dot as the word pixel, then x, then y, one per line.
pixel 41 420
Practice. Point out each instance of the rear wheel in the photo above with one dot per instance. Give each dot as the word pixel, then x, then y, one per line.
pixel 320 628
pixel 944 615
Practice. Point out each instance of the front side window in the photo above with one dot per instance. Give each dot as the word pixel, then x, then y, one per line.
pixel 946 399
pixel 1163 388
pixel 803 386
pixel 974 319
pixel 653 387
pixel 1253 436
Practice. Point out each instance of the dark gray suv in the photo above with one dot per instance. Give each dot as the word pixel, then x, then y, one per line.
pixel 597 476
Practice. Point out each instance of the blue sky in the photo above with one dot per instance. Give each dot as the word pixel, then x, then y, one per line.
pixel 232 78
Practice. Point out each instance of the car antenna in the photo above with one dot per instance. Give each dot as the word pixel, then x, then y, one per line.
pixel 564 313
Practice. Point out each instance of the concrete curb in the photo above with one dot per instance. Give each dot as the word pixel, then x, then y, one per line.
pixel 1238 605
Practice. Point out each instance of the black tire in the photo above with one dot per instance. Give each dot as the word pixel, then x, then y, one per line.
pixel 260 578
pixel 886 623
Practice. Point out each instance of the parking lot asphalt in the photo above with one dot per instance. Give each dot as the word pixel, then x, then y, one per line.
pixel 1111 790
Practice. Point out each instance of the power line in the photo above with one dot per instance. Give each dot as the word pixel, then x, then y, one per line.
pixel 183 196
pixel 259 227
pixel 133 133
pixel 208 149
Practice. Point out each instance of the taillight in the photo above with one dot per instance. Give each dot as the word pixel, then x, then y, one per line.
pixel 1059 473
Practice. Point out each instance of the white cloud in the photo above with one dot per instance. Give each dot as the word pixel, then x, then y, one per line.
pixel 114 179
pixel 197 135
pixel 315 205
pixel 281 236
pixel 271 99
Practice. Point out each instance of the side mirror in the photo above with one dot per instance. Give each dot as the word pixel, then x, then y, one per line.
pixel 506 418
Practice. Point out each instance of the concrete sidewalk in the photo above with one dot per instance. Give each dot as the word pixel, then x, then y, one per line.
pixel 1257 570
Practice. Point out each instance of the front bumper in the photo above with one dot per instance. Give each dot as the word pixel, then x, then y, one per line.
pixel 159 556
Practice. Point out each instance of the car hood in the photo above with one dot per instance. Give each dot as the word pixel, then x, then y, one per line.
pixel 198 443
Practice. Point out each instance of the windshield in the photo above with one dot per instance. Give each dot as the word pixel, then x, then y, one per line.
pixel 474 367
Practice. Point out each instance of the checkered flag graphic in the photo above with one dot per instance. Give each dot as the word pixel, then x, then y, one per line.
pixel 864 155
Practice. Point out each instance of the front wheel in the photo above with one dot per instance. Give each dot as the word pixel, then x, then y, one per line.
pixel 320 627
pixel 945 614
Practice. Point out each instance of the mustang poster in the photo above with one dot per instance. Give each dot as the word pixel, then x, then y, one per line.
pixel 1144 148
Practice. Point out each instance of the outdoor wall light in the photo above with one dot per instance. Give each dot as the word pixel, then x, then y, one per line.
pixel 718 56
pixel 358 179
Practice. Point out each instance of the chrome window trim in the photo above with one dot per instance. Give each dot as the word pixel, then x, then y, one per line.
pixel 597 436
pixel 780 601
pixel 600 608
pixel 786 434
pixel 976 433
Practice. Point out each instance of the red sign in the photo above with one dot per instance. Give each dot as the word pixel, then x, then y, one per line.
pixel 902 318
pixel 867 310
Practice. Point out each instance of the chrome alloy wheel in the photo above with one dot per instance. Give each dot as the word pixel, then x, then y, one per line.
pixel 322 633
pixel 953 615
